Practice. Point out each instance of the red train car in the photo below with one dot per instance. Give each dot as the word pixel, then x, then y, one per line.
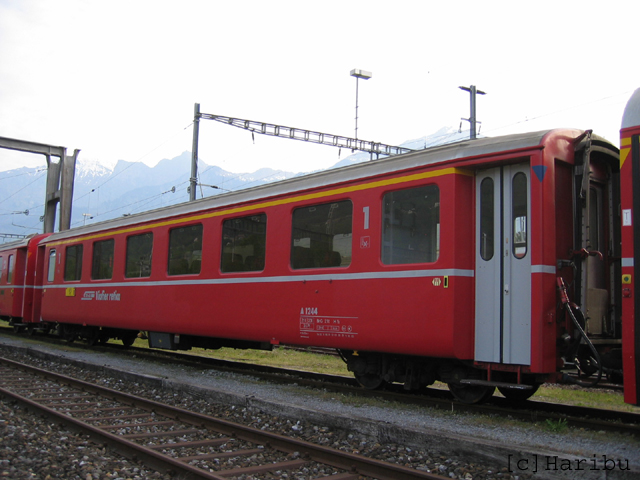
pixel 19 301
pixel 441 264
pixel 630 168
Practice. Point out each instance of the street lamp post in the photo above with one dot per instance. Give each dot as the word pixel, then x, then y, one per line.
pixel 356 72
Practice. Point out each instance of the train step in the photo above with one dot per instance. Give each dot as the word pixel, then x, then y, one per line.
pixel 486 383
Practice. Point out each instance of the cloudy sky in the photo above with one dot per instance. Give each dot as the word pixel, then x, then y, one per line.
pixel 119 79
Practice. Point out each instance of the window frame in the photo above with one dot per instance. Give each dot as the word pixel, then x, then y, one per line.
pixel 519 205
pixel 78 266
pixel 11 266
pixel 233 266
pixel 391 255
pixel 98 258
pixel 319 256
pixel 142 266
pixel 51 268
pixel 175 266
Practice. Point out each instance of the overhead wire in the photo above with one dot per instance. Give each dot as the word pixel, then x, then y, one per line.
pixel 438 140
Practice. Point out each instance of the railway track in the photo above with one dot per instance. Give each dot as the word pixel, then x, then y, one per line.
pixel 528 411
pixel 188 444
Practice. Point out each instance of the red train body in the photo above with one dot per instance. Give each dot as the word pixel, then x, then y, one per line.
pixel 630 203
pixel 19 297
pixel 442 264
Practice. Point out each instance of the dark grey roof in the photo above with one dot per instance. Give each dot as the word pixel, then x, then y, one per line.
pixel 430 156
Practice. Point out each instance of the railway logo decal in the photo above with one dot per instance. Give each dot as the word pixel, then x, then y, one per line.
pixel 436 282
pixel 89 295
pixel 101 295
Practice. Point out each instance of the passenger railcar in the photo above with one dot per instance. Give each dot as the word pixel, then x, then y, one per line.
pixel 19 301
pixel 441 264
pixel 630 168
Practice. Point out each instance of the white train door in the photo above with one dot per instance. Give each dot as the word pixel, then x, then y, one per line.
pixel 503 265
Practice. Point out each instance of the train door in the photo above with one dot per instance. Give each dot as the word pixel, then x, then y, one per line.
pixel 503 265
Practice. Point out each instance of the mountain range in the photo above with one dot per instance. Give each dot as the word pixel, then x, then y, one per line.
pixel 102 193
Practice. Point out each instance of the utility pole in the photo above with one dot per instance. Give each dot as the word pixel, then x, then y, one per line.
pixel 193 181
pixel 472 119
pixel 359 74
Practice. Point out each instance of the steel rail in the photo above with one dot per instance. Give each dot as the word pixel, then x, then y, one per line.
pixel 353 464
pixel 528 411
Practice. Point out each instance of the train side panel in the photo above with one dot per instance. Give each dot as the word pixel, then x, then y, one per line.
pixel 630 182
pixel 366 305
pixel 12 281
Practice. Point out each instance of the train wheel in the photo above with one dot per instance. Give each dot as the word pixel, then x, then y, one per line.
pixel 69 334
pixel 93 338
pixel 370 381
pixel 471 394
pixel 516 395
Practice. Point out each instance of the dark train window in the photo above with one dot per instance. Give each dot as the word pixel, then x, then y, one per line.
pixel 487 212
pixel 244 242
pixel 411 225
pixel 322 235
pixel 10 269
pixel 52 265
pixel 102 265
pixel 519 215
pixel 73 263
pixel 138 260
pixel 185 250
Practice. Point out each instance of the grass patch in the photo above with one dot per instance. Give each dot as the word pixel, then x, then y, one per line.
pixel 584 397
pixel 332 365
pixel 556 426
pixel 278 357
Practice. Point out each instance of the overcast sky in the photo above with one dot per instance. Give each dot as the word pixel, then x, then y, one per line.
pixel 119 79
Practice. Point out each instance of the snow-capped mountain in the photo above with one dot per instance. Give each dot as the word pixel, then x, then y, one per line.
pixel 102 193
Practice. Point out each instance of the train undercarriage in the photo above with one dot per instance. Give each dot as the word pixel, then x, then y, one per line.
pixel 467 382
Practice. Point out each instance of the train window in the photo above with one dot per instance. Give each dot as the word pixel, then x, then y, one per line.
pixel 73 263
pixel 1 267
pixel 519 215
pixel 244 242
pixel 52 265
pixel 411 225
pixel 139 249
pixel 102 265
pixel 185 250
pixel 487 213
pixel 322 235
pixel 10 269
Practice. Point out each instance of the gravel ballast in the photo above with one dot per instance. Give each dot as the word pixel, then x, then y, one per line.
pixel 451 444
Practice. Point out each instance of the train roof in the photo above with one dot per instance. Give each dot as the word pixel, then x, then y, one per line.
pixel 23 242
pixel 431 156
pixel 631 115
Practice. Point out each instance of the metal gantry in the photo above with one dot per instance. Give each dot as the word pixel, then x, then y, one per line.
pixel 291 133
pixel 60 179
pixel 320 138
